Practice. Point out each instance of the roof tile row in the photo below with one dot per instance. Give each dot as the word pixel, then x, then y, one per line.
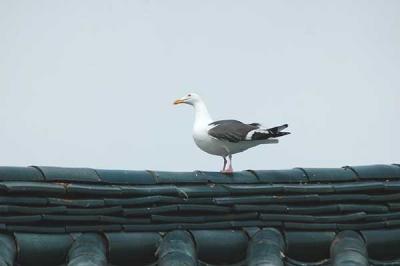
pixel 296 175
pixel 215 247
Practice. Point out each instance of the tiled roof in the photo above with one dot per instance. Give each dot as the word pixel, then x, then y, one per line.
pixel 301 216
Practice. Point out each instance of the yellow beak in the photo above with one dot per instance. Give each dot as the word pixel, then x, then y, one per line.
pixel 178 101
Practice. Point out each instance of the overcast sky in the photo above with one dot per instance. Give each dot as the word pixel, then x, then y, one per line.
pixel 91 83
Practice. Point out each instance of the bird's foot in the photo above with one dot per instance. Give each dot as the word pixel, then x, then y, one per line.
pixel 228 171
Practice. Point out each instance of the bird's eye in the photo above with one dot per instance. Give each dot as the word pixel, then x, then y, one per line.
pixel 190 95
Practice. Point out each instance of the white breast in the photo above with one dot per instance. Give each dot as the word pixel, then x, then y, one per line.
pixel 207 143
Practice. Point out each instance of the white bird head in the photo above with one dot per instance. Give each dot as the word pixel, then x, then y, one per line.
pixel 190 98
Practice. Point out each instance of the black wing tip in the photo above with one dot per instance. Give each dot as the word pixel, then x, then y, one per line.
pixel 277 129
pixel 283 133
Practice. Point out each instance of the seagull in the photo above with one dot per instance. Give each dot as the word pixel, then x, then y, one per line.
pixel 226 137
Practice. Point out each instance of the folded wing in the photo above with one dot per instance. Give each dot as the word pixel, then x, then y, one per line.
pixel 236 131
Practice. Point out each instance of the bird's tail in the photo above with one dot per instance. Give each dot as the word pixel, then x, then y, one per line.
pixel 277 131
pixel 267 133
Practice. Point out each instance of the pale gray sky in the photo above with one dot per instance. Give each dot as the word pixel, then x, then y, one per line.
pixel 91 83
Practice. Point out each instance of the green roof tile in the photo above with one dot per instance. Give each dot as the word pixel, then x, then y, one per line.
pixel 69 174
pixel 281 176
pixel 9 173
pixel 126 177
pixel 329 174
pixel 32 247
pixel 125 248
pixel 378 171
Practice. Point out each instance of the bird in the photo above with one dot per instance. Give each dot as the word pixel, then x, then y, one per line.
pixel 227 137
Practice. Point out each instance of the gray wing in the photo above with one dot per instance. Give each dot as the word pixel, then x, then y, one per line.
pixel 231 130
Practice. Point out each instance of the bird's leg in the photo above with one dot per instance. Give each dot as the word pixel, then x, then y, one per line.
pixel 229 170
pixel 225 161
